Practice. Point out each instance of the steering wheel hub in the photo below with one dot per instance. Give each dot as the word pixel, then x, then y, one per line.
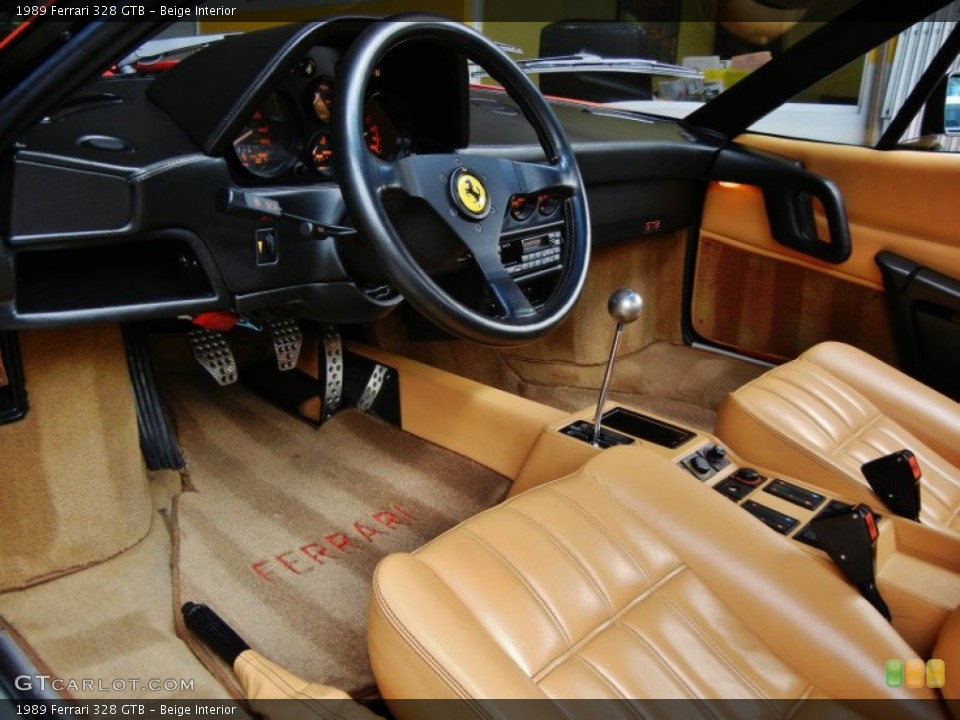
pixel 469 194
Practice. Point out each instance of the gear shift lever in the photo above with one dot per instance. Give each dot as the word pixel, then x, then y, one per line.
pixel 624 306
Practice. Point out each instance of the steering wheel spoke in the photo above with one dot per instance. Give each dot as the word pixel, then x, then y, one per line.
pixel 542 179
pixel 505 289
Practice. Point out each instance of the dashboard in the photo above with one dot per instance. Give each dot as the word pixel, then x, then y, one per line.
pixel 112 208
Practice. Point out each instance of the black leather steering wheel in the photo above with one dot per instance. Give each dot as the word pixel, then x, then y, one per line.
pixel 470 193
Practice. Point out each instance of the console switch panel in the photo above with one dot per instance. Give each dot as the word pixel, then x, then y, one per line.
pixel 783 524
pixel 796 495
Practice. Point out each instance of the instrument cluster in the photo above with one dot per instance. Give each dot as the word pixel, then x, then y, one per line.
pixel 290 133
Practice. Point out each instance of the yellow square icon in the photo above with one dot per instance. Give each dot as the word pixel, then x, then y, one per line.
pixel 936 673
pixel 915 675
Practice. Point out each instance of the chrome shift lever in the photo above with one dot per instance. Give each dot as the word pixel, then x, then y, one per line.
pixel 624 306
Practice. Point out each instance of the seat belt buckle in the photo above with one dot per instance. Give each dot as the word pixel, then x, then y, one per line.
pixel 895 478
pixel 849 538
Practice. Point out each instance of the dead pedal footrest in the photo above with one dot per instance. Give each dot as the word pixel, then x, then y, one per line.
pixel 287 340
pixel 211 349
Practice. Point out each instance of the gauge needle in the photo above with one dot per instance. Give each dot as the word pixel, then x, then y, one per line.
pixel 243 137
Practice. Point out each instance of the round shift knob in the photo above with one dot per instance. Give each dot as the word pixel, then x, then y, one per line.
pixel 625 305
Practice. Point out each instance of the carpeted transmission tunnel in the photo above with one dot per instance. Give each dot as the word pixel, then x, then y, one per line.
pixel 287 522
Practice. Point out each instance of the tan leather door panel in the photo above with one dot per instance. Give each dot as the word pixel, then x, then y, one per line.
pixel 752 294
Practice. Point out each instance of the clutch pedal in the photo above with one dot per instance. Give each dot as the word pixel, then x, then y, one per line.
pixel 211 349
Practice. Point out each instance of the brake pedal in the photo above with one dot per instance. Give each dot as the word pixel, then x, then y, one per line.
pixel 211 349
pixel 287 340
pixel 333 372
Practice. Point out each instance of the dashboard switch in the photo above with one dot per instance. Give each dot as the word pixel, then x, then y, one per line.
pixel 266 245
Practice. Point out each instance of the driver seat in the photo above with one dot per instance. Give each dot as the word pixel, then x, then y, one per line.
pixel 627 579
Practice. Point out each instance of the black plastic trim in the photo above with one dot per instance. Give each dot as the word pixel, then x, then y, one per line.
pixel 923 306
pixel 13 397
pixel 788 192
pixel 158 442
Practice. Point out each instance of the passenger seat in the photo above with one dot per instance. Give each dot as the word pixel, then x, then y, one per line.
pixel 822 416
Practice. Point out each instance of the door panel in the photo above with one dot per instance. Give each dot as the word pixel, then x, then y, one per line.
pixel 757 296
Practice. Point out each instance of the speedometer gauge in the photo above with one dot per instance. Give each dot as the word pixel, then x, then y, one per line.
pixel 265 145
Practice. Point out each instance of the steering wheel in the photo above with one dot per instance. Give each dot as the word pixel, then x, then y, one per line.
pixel 470 193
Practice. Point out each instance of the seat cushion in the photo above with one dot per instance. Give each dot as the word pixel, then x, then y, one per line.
pixel 628 579
pixel 834 408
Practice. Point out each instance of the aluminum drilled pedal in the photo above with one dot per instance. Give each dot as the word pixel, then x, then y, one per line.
pixel 374 385
pixel 211 349
pixel 287 340
pixel 333 372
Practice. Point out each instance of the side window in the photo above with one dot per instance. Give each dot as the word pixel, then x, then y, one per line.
pixel 857 104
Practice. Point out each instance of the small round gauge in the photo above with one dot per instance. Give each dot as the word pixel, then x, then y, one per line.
pixel 322 99
pixel 522 207
pixel 548 204
pixel 321 153
pixel 265 145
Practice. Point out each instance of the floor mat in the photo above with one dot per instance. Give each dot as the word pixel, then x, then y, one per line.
pixel 287 523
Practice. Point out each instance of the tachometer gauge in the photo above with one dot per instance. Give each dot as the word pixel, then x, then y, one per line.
pixel 265 146
pixel 321 152
pixel 322 99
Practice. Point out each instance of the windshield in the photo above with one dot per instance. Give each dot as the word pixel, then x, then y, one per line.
pixel 653 56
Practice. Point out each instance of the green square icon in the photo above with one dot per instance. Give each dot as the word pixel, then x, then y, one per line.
pixel 894 673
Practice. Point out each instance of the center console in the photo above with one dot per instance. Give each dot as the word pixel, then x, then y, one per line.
pixel 917 568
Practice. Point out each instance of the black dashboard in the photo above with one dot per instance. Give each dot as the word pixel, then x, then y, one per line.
pixel 122 203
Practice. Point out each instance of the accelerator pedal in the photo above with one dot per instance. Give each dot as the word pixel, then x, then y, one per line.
pixel 211 349
pixel 287 340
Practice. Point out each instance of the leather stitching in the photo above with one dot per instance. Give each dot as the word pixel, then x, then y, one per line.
pixel 414 644
pixel 310 704
pixel 566 550
pixel 801 449
pixel 556 662
pixel 601 676
pixel 795 708
pixel 713 646
pixel 541 600
pixel 596 521
pixel 663 661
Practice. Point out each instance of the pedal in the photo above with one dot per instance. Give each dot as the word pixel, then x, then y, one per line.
pixel 211 349
pixel 373 387
pixel 287 340
pixel 333 372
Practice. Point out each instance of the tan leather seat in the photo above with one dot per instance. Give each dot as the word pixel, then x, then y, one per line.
pixel 834 408
pixel 628 579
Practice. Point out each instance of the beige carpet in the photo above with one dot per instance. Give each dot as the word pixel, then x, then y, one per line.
pixel 74 488
pixel 288 522
pixel 110 622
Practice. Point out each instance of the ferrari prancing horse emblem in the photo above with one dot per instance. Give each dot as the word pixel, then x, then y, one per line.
pixel 469 194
